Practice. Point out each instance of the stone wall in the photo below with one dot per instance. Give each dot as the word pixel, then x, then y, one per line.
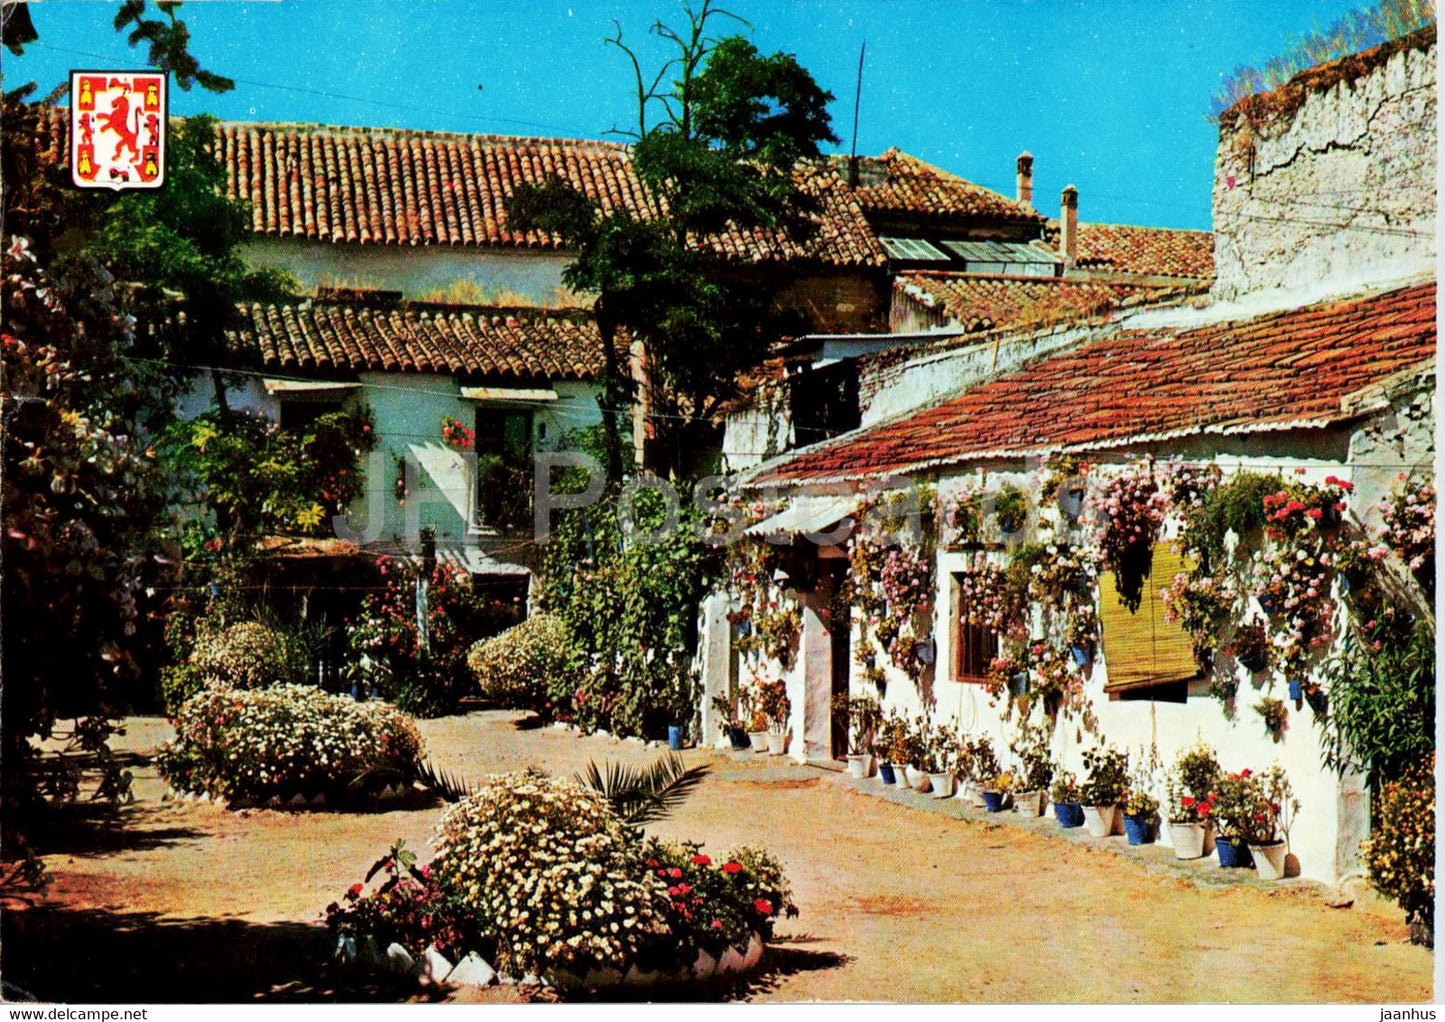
pixel 1327 185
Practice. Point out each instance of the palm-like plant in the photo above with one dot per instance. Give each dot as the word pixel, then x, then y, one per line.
pixel 641 795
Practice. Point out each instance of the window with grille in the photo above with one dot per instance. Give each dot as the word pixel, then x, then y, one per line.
pixel 974 646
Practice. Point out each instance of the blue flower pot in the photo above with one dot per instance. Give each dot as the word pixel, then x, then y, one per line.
pixel 993 801
pixel 1318 701
pixel 674 737
pixel 739 737
pixel 1233 853
pixel 1069 814
pixel 1139 830
pixel 1082 655
pixel 885 773
pixel 1018 684
pixel 1296 690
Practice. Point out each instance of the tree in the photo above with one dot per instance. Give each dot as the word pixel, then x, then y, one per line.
pixel 718 147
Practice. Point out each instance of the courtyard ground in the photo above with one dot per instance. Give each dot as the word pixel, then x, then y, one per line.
pixel 183 901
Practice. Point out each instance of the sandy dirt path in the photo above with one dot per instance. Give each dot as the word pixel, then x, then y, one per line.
pixel 182 901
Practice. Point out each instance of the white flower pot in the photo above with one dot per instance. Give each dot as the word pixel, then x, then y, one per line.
pixel 1100 820
pixel 1029 803
pixel 1268 860
pixel 972 794
pixel 1187 839
pixel 758 740
pixel 860 764
pixel 777 744
pixel 942 785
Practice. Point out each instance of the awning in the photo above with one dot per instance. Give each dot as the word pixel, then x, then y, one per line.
pixel 523 395
pixel 305 386
pixel 806 515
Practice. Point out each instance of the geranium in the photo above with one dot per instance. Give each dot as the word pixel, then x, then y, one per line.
pixel 1128 512
pixel 1409 520
pixel 988 598
pixel 1293 586
pixel 1299 508
pixel 457 436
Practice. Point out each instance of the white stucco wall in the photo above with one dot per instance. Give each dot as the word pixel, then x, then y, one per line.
pixel 1336 196
pixel 415 271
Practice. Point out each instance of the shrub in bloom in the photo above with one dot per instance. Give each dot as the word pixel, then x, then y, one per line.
pixel 1409 517
pixel 533 665
pixel 1401 851
pixel 713 905
pixel 245 655
pixel 250 745
pixel 545 869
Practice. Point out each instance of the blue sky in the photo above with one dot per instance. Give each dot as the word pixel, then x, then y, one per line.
pixel 1110 96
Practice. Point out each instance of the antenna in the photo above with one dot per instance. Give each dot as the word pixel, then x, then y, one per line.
pixel 857 101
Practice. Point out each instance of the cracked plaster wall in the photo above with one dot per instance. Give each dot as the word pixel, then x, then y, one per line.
pixel 1337 196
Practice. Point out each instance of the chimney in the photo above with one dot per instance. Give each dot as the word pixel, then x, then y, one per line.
pixel 1069 226
pixel 1026 180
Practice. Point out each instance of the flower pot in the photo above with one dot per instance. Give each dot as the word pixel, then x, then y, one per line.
pixel 1233 853
pixel 1317 701
pixel 1019 684
pixel 1296 690
pixel 1099 820
pixel 916 779
pixel 1255 663
pixel 942 785
pixel 1029 803
pixel 1071 502
pixel 1139 830
pixel 675 736
pixel 1268 860
pixel 777 744
pixel 1069 814
pixel 739 738
pixel 993 801
pixel 1187 839
pixel 1082 655
pixel 860 764
pixel 886 774
pixel 758 741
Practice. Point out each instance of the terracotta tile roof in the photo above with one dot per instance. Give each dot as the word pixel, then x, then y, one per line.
pixel 993 302
pixel 1158 251
pixel 1285 368
pixel 473 342
pixel 898 184
pixel 394 187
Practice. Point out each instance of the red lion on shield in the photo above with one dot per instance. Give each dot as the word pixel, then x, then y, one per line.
pixel 117 121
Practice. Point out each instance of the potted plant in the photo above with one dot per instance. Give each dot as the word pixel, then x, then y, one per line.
pixel 1275 714
pixel 1082 633
pixel 1065 797
pixel 1140 811
pixel 1250 647
pixel 727 721
pixel 1233 810
pixel 977 761
pixel 758 731
pixel 996 790
pixel 773 698
pixel 1265 825
pixel 916 755
pixel 1190 788
pixel 1103 789
pixel 940 759
pixel 860 716
pixel 1010 509
pixel 1036 770
pixel 891 749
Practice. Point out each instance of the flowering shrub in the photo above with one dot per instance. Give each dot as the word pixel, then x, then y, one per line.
pixel 408 906
pixel 1292 584
pixel 1055 680
pixel 457 436
pixel 245 655
pixel 533 665
pixel 1056 573
pixel 1187 484
pixel 1409 516
pixel 250 745
pixel 1128 512
pixel 544 869
pixel 1401 851
pixel 1299 508
pixel 714 905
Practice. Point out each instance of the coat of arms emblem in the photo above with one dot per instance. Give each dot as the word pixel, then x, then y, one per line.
pixel 117 129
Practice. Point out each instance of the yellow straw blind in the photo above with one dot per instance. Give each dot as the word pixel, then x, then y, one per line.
pixel 1142 648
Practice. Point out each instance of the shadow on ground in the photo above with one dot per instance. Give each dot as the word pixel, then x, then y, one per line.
pixel 782 959
pixel 85 955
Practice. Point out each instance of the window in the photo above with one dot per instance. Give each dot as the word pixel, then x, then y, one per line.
pixel 1015 258
pixel 298 416
pixel 912 249
pixel 1146 656
pixel 974 646
pixel 504 466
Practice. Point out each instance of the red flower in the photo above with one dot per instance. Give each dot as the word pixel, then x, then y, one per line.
pixel 652 863
pixel 675 873
pixel 715 924
pixel 764 906
pixel 701 860
pixel 353 892
pixel 732 867
pixel 1187 801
